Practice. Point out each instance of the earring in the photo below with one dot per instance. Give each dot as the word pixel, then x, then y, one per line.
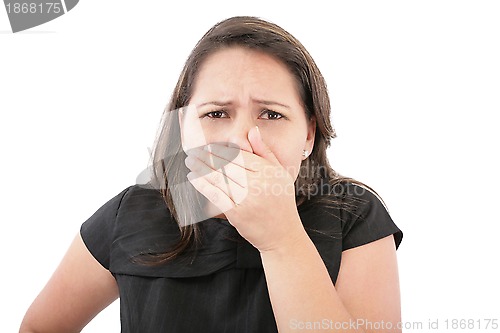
pixel 305 153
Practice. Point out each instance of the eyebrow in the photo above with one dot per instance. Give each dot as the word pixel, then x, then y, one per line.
pixel 259 101
pixel 218 103
pixel 264 102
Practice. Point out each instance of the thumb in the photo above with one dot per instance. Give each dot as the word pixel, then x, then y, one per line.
pixel 259 147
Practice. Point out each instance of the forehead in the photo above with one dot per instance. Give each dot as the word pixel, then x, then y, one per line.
pixel 238 72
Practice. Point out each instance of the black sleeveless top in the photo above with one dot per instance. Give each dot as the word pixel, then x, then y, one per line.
pixel 220 286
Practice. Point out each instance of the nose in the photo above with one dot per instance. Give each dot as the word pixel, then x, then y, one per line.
pixel 238 133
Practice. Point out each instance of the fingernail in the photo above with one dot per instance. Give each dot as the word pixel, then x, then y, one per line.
pixel 187 161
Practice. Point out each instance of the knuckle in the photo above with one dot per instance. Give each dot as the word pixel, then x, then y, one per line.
pixel 215 177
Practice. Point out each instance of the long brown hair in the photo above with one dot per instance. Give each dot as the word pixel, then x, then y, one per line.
pixel 168 156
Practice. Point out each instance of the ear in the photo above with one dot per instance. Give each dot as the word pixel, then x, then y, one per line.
pixel 311 133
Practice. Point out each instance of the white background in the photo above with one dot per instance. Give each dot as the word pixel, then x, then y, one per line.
pixel 415 89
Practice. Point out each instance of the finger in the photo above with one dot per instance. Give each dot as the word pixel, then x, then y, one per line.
pixel 259 147
pixel 233 185
pixel 205 163
pixel 232 153
pixel 232 189
pixel 214 161
pixel 215 195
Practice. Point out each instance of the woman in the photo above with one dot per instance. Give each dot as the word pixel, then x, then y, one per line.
pixel 244 226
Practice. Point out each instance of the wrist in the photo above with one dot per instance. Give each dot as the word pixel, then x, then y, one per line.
pixel 296 238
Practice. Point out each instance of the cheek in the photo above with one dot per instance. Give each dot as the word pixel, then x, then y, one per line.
pixel 290 159
pixel 199 132
pixel 212 134
pixel 192 132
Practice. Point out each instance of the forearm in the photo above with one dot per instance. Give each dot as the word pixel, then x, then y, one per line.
pixel 301 290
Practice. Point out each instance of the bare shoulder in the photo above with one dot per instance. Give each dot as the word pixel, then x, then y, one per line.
pixel 77 291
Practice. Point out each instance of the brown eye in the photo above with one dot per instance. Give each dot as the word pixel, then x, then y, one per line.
pixel 215 114
pixel 272 115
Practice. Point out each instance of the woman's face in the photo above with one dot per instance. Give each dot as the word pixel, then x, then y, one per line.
pixel 237 89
